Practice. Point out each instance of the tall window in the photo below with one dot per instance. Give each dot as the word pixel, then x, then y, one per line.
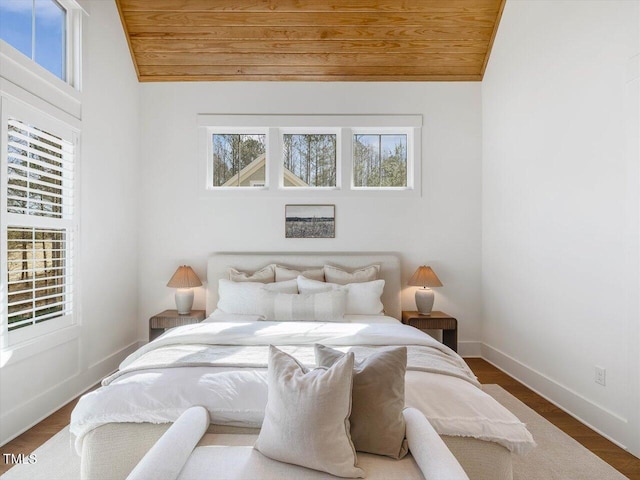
pixel 309 160
pixel 39 224
pixel 38 29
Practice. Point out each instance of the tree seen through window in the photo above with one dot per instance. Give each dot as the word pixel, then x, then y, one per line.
pixel 309 160
pixel 379 160
pixel 239 160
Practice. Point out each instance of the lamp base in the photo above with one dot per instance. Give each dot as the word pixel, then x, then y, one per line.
pixel 184 300
pixel 424 300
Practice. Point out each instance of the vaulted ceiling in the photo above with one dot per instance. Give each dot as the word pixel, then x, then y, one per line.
pixel 315 40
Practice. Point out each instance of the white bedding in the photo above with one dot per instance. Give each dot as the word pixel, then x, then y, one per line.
pixel 236 395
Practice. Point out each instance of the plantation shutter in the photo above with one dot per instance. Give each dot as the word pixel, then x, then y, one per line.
pixel 39 172
pixel 39 256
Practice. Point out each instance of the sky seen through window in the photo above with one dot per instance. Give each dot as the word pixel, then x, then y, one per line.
pixel 37 29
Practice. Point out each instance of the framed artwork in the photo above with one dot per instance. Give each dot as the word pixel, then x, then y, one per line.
pixel 310 221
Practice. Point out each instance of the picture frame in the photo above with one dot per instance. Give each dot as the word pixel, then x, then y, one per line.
pixel 310 221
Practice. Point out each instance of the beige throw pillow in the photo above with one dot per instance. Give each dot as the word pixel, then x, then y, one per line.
pixel 313 307
pixel 306 419
pixel 342 277
pixel 362 298
pixel 377 423
pixel 285 273
pixel 264 275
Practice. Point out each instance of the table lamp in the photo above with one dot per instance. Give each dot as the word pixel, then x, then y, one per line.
pixel 424 277
pixel 184 280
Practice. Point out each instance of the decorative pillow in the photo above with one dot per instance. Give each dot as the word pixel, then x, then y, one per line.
pixel 315 307
pixel 342 277
pixel 245 297
pixel 377 423
pixel 286 273
pixel 220 316
pixel 362 298
pixel 264 275
pixel 306 419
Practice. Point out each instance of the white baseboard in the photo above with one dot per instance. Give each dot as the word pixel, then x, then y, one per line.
pixel 470 349
pixel 603 421
pixel 38 408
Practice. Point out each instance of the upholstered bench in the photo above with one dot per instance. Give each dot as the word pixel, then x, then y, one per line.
pixel 186 452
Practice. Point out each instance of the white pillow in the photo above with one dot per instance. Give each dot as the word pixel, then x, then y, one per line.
pixel 362 298
pixel 314 307
pixel 244 297
pixel 306 420
pixel 264 275
pixel 220 316
pixel 342 277
pixel 286 273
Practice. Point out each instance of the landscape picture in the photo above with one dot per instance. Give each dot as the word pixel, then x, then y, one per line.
pixel 310 221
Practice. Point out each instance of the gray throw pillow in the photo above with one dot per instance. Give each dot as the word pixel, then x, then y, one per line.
pixel 377 423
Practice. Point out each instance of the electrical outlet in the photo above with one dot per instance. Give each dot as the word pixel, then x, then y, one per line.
pixel 601 376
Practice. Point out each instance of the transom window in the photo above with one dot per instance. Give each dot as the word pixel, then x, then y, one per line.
pixel 239 160
pixel 379 160
pixel 312 154
pixel 38 29
pixel 309 160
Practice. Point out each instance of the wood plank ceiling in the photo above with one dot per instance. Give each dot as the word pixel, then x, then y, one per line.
pixel 314 40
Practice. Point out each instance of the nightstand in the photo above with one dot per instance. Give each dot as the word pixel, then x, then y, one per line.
pixel 435 321
pixel 171 318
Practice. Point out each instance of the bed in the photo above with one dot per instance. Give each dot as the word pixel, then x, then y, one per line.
pixel 117 424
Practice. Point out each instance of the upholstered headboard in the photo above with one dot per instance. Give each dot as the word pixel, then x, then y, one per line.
pixel 219 264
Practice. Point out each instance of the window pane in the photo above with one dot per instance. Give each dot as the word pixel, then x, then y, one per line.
pixel 380 160
pixel 15 24
pixel 39 172
pixel 309 160
pixel 38 281
pixel 239 160
pixel 50 36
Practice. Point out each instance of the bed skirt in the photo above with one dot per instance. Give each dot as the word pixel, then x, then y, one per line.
pixel 113 450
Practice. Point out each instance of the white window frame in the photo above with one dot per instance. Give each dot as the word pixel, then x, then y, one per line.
pixel 343 125
pixel 49 120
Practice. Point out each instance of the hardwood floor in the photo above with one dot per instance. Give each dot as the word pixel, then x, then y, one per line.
pixel 487 373
pixel 609 452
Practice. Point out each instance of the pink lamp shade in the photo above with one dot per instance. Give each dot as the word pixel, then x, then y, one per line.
pixel 425 277
pixel 184 280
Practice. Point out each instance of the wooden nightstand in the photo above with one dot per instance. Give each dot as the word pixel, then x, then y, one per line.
pixel 170 318
pixel 435 321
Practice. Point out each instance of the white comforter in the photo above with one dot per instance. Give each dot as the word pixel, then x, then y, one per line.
pixel 236 394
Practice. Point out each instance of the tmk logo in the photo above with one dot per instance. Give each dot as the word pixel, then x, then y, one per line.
pixel 20 458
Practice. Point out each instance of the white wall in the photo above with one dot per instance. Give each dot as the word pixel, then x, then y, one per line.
pixel 34 385
pixel 441 228
pixel 560 207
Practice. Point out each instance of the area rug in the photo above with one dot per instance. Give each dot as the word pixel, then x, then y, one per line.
pixel 557 456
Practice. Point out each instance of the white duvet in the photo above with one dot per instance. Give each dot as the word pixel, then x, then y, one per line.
pixel 235 393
